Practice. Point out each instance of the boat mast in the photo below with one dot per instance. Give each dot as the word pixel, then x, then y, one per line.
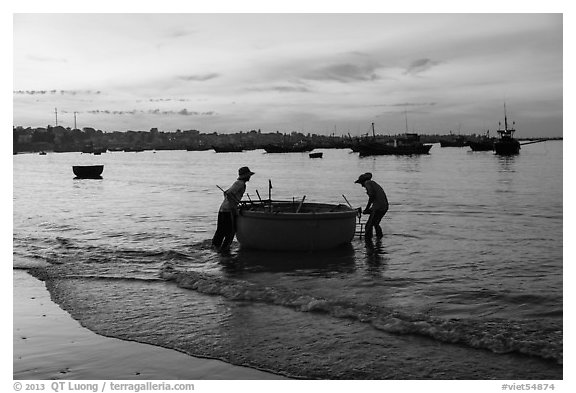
pixel 373 133
pixel 75 121
pixel 56 113
pixel 505 118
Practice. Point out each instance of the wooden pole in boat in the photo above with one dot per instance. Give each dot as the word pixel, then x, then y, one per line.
pixel 347 201
pixel 257 193
pixel 270 193
pixel 300 205
pixel 359 215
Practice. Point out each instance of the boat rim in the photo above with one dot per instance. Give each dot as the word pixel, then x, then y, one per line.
pixel 336 210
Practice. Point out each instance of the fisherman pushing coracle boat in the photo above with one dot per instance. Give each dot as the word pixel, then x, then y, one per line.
pixel 376 207
pixel 273 225
pixel 226 227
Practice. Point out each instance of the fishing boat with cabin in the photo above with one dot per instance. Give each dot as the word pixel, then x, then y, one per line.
pixel 407 144
pixel 506 145
pixel 483 143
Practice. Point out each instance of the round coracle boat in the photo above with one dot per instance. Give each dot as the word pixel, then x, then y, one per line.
pixel 293 226
pixel 88 171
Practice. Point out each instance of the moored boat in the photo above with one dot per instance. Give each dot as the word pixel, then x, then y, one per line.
pixel 88 171
pixel 298 147
pixel 231 148
pixel 484 143
pixel 408 144
pixel 293 226
pixel 454 141
pixel 506 144
pixel 316 155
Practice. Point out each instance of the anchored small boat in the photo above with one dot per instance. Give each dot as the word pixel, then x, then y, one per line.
pixel 295 226
pixel 316 155
pixel 88 171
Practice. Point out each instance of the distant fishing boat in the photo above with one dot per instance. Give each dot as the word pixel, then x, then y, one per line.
pixel 293 226
pixel 298 147
pixel 316 155
pixel 506 144
pixel 136 149
pixel 88 171
pixel 231 148
pixel 407 144
pixel 198 147
pixel 454 141
pixel 484 143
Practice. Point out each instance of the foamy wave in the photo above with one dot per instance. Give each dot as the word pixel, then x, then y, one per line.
pixel 498 336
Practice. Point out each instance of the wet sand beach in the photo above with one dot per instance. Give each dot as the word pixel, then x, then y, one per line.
pixel 48 344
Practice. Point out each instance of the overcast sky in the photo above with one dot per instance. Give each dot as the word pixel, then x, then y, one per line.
pixel 319 73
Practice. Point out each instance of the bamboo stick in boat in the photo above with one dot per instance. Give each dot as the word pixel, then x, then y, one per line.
pixel 347 201
pixel 300 205
pixel 262 202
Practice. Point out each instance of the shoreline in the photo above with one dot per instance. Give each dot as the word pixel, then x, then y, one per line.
pixel 49 344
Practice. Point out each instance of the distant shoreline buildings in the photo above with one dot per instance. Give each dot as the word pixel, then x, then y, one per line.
pixel 90 140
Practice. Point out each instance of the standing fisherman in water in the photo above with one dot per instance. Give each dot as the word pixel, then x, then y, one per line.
pixel 226 228
pixel 377 205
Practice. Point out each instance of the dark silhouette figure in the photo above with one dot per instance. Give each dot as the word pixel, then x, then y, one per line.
pixel 226 228
pixel 376 207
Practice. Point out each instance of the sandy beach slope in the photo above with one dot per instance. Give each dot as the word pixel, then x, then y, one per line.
pixel 49 344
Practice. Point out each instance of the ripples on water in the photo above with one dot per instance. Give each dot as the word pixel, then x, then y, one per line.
pixel 468 275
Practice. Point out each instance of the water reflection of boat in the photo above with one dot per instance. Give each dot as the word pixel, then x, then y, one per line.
pixel 506 144
pixel 293 226
pixel 88 171
pixel 338 259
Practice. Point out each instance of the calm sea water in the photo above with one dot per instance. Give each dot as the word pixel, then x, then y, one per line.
pixel 466 283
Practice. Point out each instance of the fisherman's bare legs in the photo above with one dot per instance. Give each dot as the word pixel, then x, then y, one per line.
pixel 230 233
pixel 224 231
pixel 374 223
